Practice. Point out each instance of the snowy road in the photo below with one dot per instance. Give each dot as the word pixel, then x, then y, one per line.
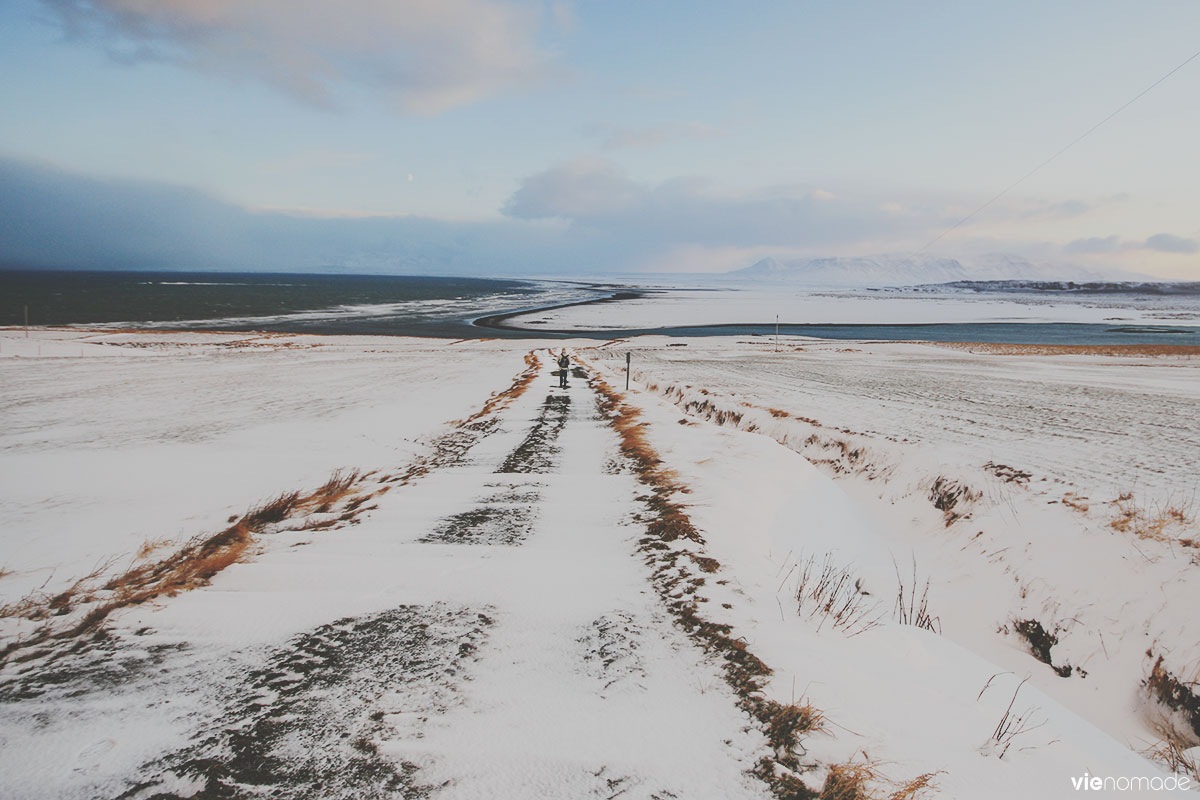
pixel 584 689
pixel 489 631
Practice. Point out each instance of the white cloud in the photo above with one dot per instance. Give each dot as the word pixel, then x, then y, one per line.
pixel 1159 242
pixel 1167 243
pixel 1095 244
pixel 589 188
pixel 595 195
pixel 424 55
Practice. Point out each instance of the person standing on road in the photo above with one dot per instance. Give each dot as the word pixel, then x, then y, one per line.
pixel 564 363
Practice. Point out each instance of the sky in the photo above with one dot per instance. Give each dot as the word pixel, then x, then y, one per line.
pixel 485 137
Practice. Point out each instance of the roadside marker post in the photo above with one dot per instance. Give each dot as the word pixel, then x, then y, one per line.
pixel 628 359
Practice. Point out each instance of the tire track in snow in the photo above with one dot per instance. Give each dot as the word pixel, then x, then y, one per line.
pixel 584 688
pixel 507 512
pixel 305 724
pixel 548 669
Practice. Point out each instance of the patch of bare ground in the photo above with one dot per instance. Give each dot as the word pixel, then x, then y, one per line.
pixel 1178 695
pixel 1041 642
pixel 490 523
pixel 994 348
pixel 673 549
pixel 538 451
pixel 311 721
pixel 953 498
pixel 75 616
pixel 1009 474
pixel 610 651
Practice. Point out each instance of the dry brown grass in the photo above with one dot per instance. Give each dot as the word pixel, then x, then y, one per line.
pixel 149 546
pixel 831 593
pixel 1075 502
pixel 911 610
pixel 670 535
pixel 192 565
pixel 334 490
pixel 993 348
pixel 784 725
pixel 31 606
pixel 1012 724
pixel 789 722
pixel 338 501
pixel 505 397
pixel 1164 523
pixel 38 605
pixel 865 781
pixel 915 787
pixel 1172 752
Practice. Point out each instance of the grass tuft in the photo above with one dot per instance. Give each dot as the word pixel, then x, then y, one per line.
pixel 834 594
pixel 909 609
pixel 952 498
pixel 150 545
pixel 1162 523
pixel 1173 752
pixel 849 781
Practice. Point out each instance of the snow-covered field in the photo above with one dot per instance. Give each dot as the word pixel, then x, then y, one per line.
pixel 1107 424
pixel 487 617
pixel 1066 487
pixel 112 440
pixel 722 304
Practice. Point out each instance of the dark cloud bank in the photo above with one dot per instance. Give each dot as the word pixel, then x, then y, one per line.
pixel 54 219
pixel 583 217
pixel 580 217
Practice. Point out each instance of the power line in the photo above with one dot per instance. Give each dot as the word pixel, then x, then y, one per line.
pixel 1074 142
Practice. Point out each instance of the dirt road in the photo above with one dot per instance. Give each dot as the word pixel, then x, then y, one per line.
pixel 489 631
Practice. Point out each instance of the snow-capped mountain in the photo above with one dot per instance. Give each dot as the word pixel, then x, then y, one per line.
pixel 908 270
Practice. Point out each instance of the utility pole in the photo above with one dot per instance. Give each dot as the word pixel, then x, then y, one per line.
pixel 628 359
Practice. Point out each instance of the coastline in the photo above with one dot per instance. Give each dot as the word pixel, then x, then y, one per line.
pixel 498 321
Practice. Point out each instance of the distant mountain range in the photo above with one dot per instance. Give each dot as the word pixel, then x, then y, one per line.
pixel 1168 288
pixel 909 270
